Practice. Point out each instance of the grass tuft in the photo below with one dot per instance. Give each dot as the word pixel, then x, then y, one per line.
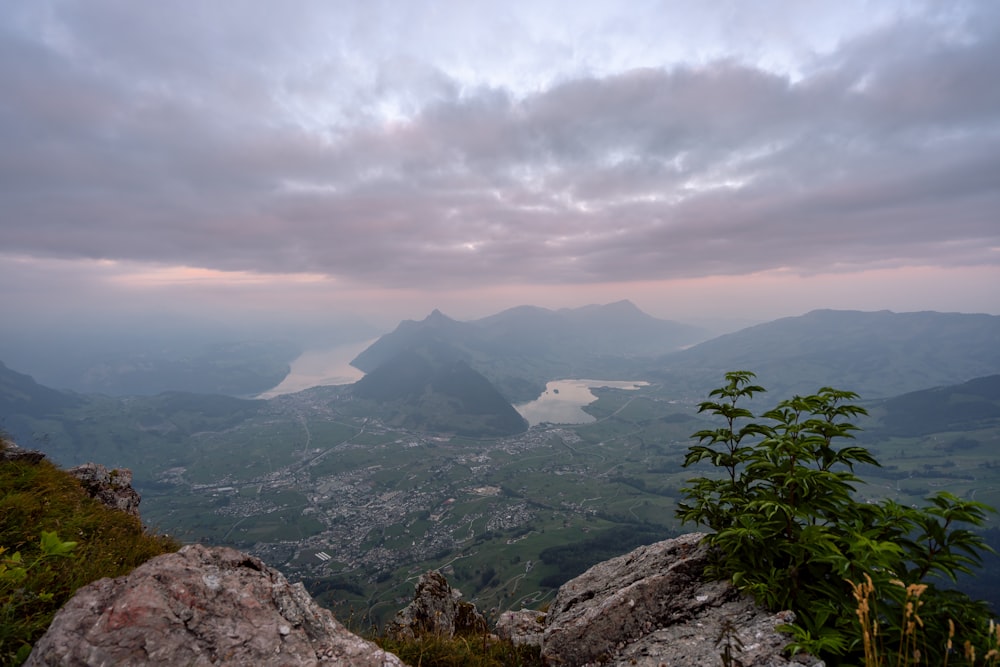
pixel 482 650
pixel 908 652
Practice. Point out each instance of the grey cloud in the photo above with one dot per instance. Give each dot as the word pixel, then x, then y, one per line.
pixel 189 140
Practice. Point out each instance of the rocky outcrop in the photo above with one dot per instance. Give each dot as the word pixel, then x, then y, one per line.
pixel 653 607
pixel 200 606
pixel 11 452
pixel 437 609
pixel 111 487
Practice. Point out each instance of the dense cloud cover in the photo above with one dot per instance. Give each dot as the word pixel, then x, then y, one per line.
pixel 423 145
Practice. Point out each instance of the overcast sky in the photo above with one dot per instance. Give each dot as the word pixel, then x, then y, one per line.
pixel 241 159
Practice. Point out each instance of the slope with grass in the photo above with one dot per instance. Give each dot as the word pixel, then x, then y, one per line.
pixel 54 539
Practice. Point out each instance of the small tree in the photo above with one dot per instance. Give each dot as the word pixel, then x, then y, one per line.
pixel 789 530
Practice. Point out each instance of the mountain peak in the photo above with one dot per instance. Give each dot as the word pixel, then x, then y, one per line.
pixel 437 316
pixel 429 389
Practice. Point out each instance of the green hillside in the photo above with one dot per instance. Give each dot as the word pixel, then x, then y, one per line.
pixel 968 406
pixel 429 390
pixel 21 395
pixel 877 354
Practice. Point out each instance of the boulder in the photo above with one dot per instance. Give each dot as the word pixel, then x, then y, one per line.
pixel 653 607
pixel 111 487
pixel 200 606
pixel 437 609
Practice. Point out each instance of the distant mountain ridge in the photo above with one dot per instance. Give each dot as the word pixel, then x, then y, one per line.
pixel 971 405
pixel 454 368
pixel 878 354
pixel 131 367
pixel 21 395
pixel 521 348
pixel 614 329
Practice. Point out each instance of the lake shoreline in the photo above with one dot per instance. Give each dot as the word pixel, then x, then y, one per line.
pixel 563 401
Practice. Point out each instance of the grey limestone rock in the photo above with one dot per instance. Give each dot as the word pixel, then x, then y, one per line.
pixel 200 606
pixel 437 609
pixel 749 630
pixel 111 487
pixel 653 607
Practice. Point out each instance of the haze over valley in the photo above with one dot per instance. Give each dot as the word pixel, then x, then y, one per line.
pixel 424 463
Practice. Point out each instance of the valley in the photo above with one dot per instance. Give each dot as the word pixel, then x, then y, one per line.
pixel 357 509
pixel 358 489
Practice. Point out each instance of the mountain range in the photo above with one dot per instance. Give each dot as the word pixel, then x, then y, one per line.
pixel 440 374
pixel 522 348
pixel 877 354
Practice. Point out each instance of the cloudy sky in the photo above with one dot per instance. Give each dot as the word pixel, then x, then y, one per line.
pixel 241 159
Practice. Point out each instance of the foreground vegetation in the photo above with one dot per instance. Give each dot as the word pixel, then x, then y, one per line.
pixel 461 651
pixel 867 580
pixel 40 507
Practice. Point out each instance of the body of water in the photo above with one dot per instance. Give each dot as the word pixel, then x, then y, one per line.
pixel 562 401
pixel 316 368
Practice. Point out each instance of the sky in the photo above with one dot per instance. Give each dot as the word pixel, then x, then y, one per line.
pixel 248 161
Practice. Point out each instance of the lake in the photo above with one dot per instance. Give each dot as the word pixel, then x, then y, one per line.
pixel 318 368
pixel 562 401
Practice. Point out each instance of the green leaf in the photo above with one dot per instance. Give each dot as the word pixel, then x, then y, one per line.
pixel 52 546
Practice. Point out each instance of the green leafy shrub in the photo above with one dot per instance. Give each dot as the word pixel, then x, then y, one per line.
pixel 40 506
pixel 789 530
